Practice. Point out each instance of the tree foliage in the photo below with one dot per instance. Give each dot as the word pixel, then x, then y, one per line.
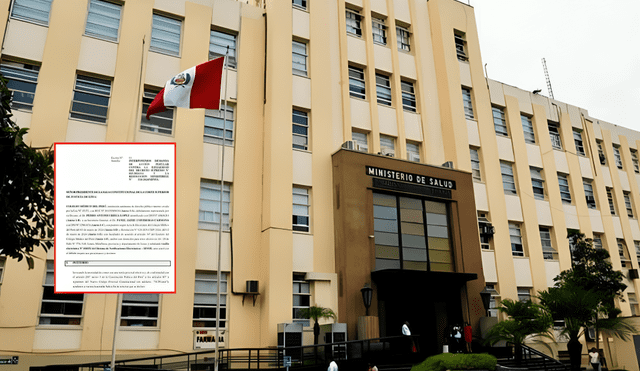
pixel 316 312
pixel 26 189
pixel 526 318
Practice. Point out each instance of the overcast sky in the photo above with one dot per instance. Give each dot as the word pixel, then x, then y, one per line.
pixel 592 50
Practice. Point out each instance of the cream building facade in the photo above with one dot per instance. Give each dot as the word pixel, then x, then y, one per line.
pixel 400 80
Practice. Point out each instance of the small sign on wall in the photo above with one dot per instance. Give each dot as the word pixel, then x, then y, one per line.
pixel 206 339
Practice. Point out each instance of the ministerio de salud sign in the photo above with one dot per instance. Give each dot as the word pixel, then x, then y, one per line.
pixel 410 182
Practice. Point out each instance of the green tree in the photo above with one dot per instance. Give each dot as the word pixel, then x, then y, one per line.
pixel 26 189
pixel 315 312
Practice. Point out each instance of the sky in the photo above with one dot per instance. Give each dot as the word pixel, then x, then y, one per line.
pixel 592 51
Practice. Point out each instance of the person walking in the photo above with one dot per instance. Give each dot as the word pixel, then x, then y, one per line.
pixel 333 366
pixel 594 357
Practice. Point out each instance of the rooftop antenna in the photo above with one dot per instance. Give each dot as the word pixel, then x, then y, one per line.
pixel 546 75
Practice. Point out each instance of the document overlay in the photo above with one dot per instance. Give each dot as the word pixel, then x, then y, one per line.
pixel 115 207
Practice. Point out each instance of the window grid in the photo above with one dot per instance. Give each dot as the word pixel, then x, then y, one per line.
pixel 357 87
pixel 103 20
pixel 612 207
pixel 493 302
pixel 597 241
pixel 524 294
pixel 59 309
pixel 565 191
pixel 387 145
pixel 627 204
pixel 218 43
pixel 205 300
pixel 413 151
pixel 383 89
pixel 554 134
pixel 537 183
pixel 209 209
pixel 588 194
pixel 301 298
pixel 379 30
pixel 90 99
pixel 140 310
pixel 299 58
pixel 403 39
pixel 300 130
pixel 300 209
pixel 36 11
pixel 508 181
pixel 499 121
pixel 3 262
pixel 601 155
pixel 213 125
pixel 527 127
pixel 468 105
pixel 361 140
pixel 300 4
pixel 161 122
pixel 475 165
pixel 165 35
pixel 618 158
pixel 516 240
pixel 548 252
pixel 636 244
pixel 408 96
pixel 353 23
pixel 460 42
pixel 634 160
pixel 577 139
pixel 22 80
pixel 624 255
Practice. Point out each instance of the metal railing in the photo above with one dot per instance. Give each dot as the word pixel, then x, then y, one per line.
pixel 533 359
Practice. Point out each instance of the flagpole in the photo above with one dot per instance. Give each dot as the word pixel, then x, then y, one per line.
pixel 224 138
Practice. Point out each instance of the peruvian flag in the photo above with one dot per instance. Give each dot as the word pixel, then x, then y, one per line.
pixel 197 87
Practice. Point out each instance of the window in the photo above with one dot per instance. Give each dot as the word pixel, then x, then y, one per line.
pixel 624 254
pixel 218 43
pixel 508 181
pixel 524 294
pixel 300 209
pixel 209 212
pixel 516 240
pixel 103 20
pixel 577 139
pixel 59 309
pixel 387 145
pixel 565 192
pixel 627 204
pixel 402 227
pixel 634 160
pixel 493 302
pixel 140 310
pixel 612 207
pixel 165 35
pixel 633 303
pixel 213 125
pixel 475 165
pixel 383 89
pixel 588 193
pixel 616 155
pixel 356 83
pixel 537 182
pixel 603 158
pixel 299 58
pixel 597 241
pixel 379 30
pixel 205 299
pixel 413 151
pixel 468 106
pixel 403 36
pixel 408 96
pixel 353 23
pixel 499 121
pixel 90 99
pixel 548 252
pixel 300 130
pixel 636 244
pixel 485 238
pixel 22 79
pixel 554 134
pixel 36 11
pixel 3 262
pixel 301 298
pixel 461 45
pixel 300 4
pixel 527 128
pixel 361 140
pixel 161 122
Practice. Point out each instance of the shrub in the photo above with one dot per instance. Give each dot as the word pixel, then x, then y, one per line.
pixel 457 361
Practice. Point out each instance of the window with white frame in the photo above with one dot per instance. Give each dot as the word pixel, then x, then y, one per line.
pixel 300 209
pixel 219 42
pixel 577 139
pixel 103 20
pixel 214 121
pixel 413 151
pixel 548 252
pixel 588 193
pixel 493 301
pixel 537 183
pixel 140 310
pixel 90 99
pixel 361 139
pixel 22 79
pixel 524 294
pixel 354 23
pixel 161 122
pixel 554 134
pixel 618 158
pixel 508 181
pixel 209 211
pixel 499 121
pixel 485 239
pixel 612 207
pixel 627 204
pixel 205 299
pixel 299 57
pixel 59 309
pixel 301 298
pixel 597 241
pixel 468 105
pixel 383 89
pixel 302 4
pixel 408 96
pixel 461 45
pixel 633 303
pixel 300 130
pixel 475 165
pixel 636 244
pixel 516 239
pixel 565 191
pixel 165 35
pixel 36 11
pixel 387 145
pixel 356 83
pixel 379 30
pixel 624 254
pixel 634 160
pixel 601 155
pixel 527 128
pixel 403 38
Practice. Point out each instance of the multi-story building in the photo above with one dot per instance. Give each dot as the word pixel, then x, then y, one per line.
pixel 433 150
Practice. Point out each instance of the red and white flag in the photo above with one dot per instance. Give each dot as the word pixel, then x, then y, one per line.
pixel 197 87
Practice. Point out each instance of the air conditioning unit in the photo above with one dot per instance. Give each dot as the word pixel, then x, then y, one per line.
pixel 633 274
pixel 386 151
pixel 350 144
pixel 448 164
pixel 252 287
